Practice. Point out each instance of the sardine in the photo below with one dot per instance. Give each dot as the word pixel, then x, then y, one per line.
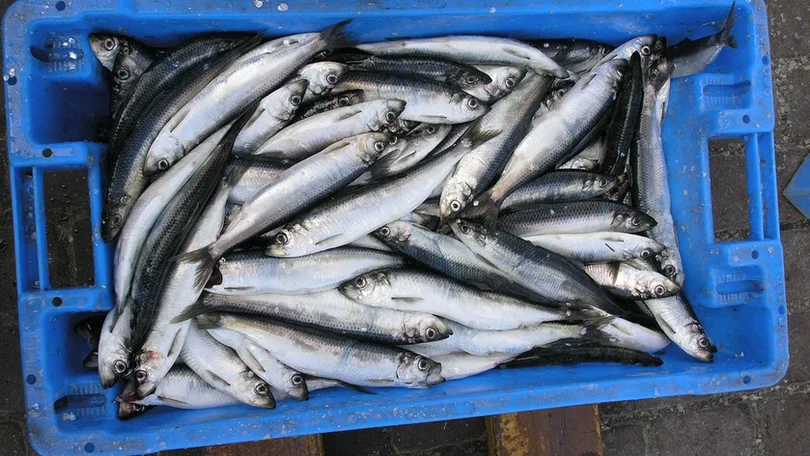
pixel 575 55
pixel 272 114
pixel 641 44
pixel 328 103
pixel 679 322
pixel 691 57
pixel 625 122
pixel 559 186
pixel 599 247
pixel 182 388
pixel 576 217
pixel 410 150
pixel 322 78
pixel 504 80
pixel 462 365
pixel 623 280
pixel 105 48
pixel 114 349
pixel 131 62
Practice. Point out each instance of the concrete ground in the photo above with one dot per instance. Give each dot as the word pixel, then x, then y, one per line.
pixel 770 421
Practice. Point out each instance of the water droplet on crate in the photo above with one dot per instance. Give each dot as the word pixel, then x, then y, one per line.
pixel 283 7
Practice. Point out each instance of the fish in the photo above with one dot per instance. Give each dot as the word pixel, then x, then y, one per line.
pixel 625 121
pixel 472 49
pixel 693 56
pixel 592 157
pixel 128 180
pixel 131 62
pixel 251 272
pixel 348 215
pixel 456 366
pixel 329 310
pixel 163 343
pixel 303 139
pixel 642 44
pixel 624 280
pixel 266 366
pixel 552 98
pixel 410 150
pixel 328 103
pixel 548 274
pixel 507 121
pixel 147 210
pixel 323 354
pixel 559 186
pixel 234 89
pixel 221 367
pixel 114 347
pixel 321 77
pixel 181 388
pixel 298 188
pixel 425 100
pixel 422 291
pixel 577 352
pixel 677 319
pixel 456 132
pixel 553 137
pixel 626 334
pixel 272 114
pixel 576 217
pixel 575 55
pixel 458 74
pixel 599 247
pixel 251 176
pixel 370 242
pixel 511 342
pixel 105 48
pixel 504 80
pixel 449 256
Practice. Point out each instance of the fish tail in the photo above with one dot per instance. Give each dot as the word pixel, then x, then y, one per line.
pixel 198 308
pixel 592 329
pixel 335 36
pixel 208 320
pixel 484 209
pixel 725 35
pixel 205 264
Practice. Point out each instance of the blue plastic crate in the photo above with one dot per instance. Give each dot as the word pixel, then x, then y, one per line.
pixel 53 103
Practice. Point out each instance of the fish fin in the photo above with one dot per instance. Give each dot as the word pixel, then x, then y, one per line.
pixel 592 329
pixel 250 360
pixel 218 382
pixel 357 388
pixel 208 320
pixel 483 208
pixel 177 345
pixel 664 325
pixel 349 115
pixel 173 402
pixel 516 52
pixel 194 310
pixel 478 135
pixel 91 361
pixel 335 36
pixel 725 35
pixel 408 300
pixel 434 118
pixel 205 264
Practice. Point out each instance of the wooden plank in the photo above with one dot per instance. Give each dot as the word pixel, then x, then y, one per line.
pixel 308 445
pixel 570 431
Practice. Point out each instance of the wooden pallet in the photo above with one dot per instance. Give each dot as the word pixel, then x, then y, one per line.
pixel 570 431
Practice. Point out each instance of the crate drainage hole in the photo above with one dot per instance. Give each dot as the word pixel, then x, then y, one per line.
pixel 12 80
pixel 31 379
pixel 60 6
pixel 746 379
pixel 782 310
pixel 765 60
pixel 47 152
pixel 755 254
pixel 746 119
pixel 57 301
pixel 88 447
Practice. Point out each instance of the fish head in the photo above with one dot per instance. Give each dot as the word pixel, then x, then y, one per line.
pixel 641 44
pixel 106 49
pixel 395 232
pixel 114 213
pixel 670 265
pixel 694 341
pixel 113 352
pixel 652 285
pixel 418 371
pixel 149 368
pixel 402 127
pixel 370 288
pixel 468 78
pixel 165 152
pixel 456 195
pixel 646 250
pixel 255 390
pixel 430 132
pixel 322 76
pixel 296 386
pixel 612 71
pixel 288 241
pixel 385 113
pixel 632 221
pixel 423 327
pixel 470 232
pixel 600 183
pixel 467 107
pixel 292 95
pixel 126 70
pixel 504 80
pixel 660 67
pixel 374 145
pixel 349 98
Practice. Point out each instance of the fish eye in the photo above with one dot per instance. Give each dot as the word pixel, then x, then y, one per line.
pixel 295 100
pixel 379 146
pixel 331 79
pixel 394 140
pixel 140 375
pixel 430 333
pixel 261 389
pixel 121 366
pixel 385 231
pixel 669 270
pixel 297 379
pixel 509 82
pixel 602 182
pixel 560 93
pixel 137 407
pixel 163 164
pixel 703 342
pixel 430 129
pixel 465 229
pixel 282 239
pixel 646 254
pixel 109 44
pixel 360 282
pixel 472 102
pixel 390 116
pixel 455 206
pixel 645 50
pixel 635 221
pixel 343 101
pixel 422 364
pixel 471 79
pixel 123 74
pixel 116 220
pixel 659 290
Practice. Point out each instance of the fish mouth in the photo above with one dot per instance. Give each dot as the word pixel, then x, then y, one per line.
pixel 146 388
pixel 434 376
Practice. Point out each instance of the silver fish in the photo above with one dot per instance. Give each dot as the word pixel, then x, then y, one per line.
pixel 113 346
pixel 353 214
pixel 277 374
pixel 333 356
pixel 472 49
pixel 182 388
pixel 410 150
pixel 251 176
pixel 272 114
pixel 105 48
pixel 575 55
pixel 678 321
pixel 691 57
pixel 624 280
pixel 575 217
pixel 641 44
pixel 252 272
pixel 560 186
pixel 462 365
pixel 162 346
pixel 626 334
pixel 322 78
pixel 221 368
pixel 302 139
pixel 239 86
pixel 332 311
pixel 599 247
pixel 504 80
pixel 131 62
pixel 420 291
pixel 590 159
pixel 299 187
pixel 370 242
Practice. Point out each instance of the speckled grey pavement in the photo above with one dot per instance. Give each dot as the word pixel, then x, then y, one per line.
pixel 771 421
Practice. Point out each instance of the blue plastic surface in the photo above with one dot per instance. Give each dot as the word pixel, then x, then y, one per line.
pixel 737 287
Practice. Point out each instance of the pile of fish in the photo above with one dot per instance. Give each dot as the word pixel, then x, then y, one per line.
pixel 310 212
